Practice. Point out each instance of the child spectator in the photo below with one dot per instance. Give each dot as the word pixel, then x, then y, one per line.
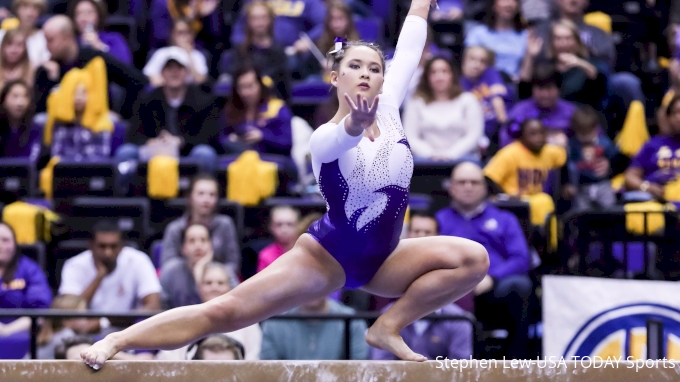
pixel 260 49
pixel 184 38
pixel 14 62
pixel 214 281
pixel 89 17
pixel 255 120
pixel 591 154
pixel 28 12
pixel 442 122
pixel 523 167
pixel 55 330
pixel 202 209
pixel 283 225
pixel 486 83
pixel 503 33
pixel 19 136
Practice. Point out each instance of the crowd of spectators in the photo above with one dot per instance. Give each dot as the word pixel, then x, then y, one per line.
pixel 534 105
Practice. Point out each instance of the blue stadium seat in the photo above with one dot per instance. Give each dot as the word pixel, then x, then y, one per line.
pixel 73 179
pixel 18 178
pixel 131 214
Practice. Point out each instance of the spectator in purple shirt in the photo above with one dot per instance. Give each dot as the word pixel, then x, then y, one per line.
pixel 255 120
pixel 445 338
pixel 545 102
pixel 23 285
pixel 507 284
pixel 89 17
pixel 19 136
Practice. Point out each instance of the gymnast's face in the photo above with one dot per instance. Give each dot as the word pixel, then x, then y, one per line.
pixel 360 72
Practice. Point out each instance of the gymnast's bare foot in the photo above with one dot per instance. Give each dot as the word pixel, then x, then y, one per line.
pixel 382 337
pixel 97 354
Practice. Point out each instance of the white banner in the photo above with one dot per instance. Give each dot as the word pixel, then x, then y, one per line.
pixel 596 317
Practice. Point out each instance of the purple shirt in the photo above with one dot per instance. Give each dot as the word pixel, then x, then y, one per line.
pixel 13 146
pixel 277 132
pixel 117 46
pixel 498 231
pixel 27 290
pixel 445 338
pixel 659 159
pixel 488 86
pixel 556 118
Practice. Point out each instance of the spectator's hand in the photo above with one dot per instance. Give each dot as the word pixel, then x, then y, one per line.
pixel 568 60
pixel 252 136
pixel 569 191
pixel 157 81
pixel 165 137
pixel 300 46
pixel 102 269
pixel 656 191
pixel 534 45
pixel 200 265
pixel 207 7
pixel 484 286
pixel 601 167
pixel 92 39
pixel 52 69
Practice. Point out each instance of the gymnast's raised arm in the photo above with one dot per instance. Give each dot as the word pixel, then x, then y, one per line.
pixel 407 55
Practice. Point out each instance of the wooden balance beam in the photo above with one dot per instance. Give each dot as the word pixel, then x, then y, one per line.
pixel 331 371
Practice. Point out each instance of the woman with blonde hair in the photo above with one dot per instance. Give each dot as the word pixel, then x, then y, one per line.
pixel 14 61
pixel 584 77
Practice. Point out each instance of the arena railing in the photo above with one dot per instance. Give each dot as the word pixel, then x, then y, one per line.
pixel 36 314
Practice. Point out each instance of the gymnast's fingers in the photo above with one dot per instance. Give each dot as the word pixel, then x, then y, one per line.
pixel 374 106
pixel 350 102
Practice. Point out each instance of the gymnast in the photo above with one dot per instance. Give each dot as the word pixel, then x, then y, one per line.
pixel 363 164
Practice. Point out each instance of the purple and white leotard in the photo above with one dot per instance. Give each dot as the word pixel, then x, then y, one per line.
pixel 365 184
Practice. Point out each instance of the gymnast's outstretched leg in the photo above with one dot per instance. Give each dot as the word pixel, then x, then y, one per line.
pixel 427 274
pixel 305 273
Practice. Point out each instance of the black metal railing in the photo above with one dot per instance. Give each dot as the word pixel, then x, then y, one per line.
pixel 35 314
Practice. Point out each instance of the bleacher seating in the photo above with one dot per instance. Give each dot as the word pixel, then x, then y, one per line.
pixel 17 179
pixel 75 178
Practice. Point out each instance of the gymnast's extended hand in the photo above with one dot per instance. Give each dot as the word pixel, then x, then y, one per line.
pixel 361 116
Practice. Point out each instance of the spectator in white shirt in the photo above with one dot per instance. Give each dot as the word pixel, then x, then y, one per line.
pixel 111 277
pixel 442 122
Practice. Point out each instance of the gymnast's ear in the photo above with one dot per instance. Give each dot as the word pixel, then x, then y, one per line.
pixel 334 78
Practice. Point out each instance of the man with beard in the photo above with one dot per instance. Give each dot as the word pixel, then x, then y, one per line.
pixel 110 276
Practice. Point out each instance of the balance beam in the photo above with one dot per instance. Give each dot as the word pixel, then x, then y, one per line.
pixel 321 371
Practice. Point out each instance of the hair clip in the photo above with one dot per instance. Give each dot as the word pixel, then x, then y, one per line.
pixel 339 45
